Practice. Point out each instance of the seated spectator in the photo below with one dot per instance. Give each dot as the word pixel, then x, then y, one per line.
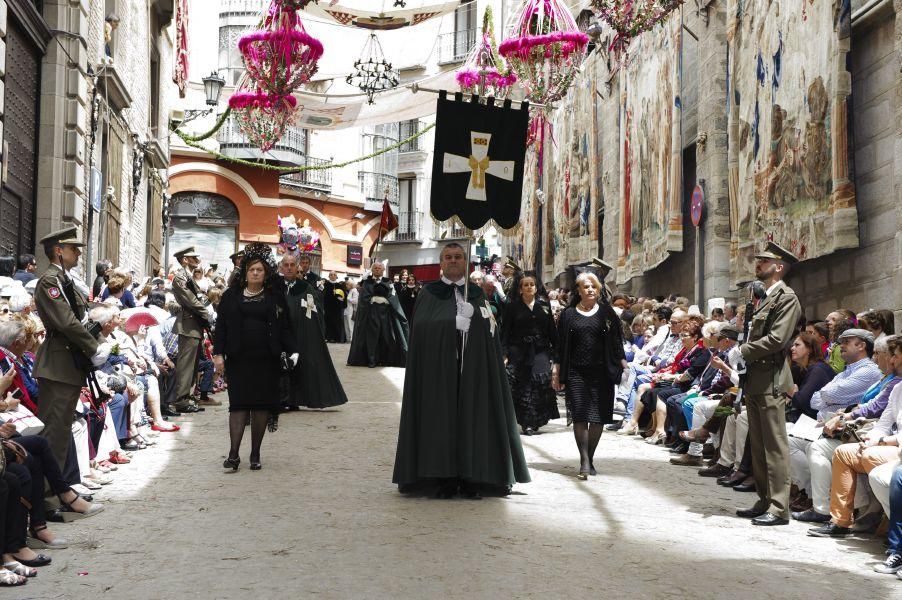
pixel 717 314
pixel 876 322
pixel 878 446
pixel 119 287
pixel 820 453
pixel 821 333
pixel 837 322
pixel 844 390
pixel 102 270
pixel 26 268
pixel 807 356
pixel 730 310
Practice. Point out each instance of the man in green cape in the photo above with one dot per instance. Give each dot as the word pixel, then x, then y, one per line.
pixel 314 383
pixel 380 328
pixel 458 429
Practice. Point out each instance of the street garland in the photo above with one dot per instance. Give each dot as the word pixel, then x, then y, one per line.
pixel 199 138
pixel 194 142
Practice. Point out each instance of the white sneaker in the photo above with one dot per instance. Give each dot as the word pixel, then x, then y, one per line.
pixel 90 484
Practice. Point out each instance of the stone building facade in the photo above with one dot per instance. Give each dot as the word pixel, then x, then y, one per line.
pixel 86 126
pixel 869 276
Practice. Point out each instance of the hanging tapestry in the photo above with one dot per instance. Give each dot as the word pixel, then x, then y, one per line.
pixel 651 223
pixel 571 187
pixel 789 155
pixel 477 174
pixel 180 64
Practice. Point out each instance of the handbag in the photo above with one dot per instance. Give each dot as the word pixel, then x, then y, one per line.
pixel 14 451
pixel 853 431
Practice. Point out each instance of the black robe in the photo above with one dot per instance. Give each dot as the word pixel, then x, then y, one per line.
pixel 380 330
pixel 456 423
pixel 314 383
pixel 334 302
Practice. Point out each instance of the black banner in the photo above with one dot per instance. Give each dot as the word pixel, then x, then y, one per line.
pixel 477 168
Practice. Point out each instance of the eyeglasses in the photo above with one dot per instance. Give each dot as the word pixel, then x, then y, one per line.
pixel 685 335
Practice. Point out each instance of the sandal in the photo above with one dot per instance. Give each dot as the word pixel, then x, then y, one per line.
pixel 10 579
pixel 16 566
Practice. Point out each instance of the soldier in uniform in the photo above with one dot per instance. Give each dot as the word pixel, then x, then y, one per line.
pixel 70 351
pixel 236 259
pixel 190 324
pixel 509 271
pixel 766 384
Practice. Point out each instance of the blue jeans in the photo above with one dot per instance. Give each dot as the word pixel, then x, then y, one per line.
pixel 895 511
pixel 118 407
pixel 688 404
pixel 205 366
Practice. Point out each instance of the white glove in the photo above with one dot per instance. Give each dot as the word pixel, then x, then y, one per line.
pixel 102 354
pixel 465 309
pixel 293 359
pixel 463 323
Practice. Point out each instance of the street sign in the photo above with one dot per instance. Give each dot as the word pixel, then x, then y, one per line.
pixel 697 207
pixel 355 256
pixel 96 189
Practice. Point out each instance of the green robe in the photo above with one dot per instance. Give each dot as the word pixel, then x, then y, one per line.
pixel 314 383
pixel 456 425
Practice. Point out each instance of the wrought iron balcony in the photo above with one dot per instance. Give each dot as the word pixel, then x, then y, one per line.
pixel 317 180
pixel 408 228
pixel 290 149
pixel 377 187
pixel 241 7
pixel 449 232
pixel 407 129
pixel 454 47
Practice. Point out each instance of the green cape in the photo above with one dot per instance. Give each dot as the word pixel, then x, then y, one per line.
pixel 456 425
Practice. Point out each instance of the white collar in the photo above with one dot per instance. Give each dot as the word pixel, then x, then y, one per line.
pixel 461 281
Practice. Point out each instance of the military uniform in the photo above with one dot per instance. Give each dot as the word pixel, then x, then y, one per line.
pixel 64 359
pixel 767 382
pixel 189 325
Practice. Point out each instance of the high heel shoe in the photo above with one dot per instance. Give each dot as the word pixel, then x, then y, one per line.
pixel 255 465
pixel 628 430
pixel 582 476
pixel 232 463
pixel 656 438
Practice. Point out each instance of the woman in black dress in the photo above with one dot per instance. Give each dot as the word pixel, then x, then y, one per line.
pixel 408 296
pixel 589 362
pixel 528 336
pixel 252 340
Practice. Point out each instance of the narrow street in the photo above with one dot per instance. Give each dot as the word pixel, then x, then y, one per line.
pixel 322 519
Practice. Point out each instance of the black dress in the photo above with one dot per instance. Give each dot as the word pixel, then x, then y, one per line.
pixel 527 338
pixel 408 298
pixel 252 332
pixel 335 303
pixel 590 354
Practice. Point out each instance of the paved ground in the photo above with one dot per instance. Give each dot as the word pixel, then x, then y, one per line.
pixel 322 520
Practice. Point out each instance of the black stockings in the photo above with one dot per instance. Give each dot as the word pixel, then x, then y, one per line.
pixel 237 421
pixel 587 436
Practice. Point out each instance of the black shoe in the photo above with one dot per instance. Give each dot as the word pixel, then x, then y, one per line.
pixel 769 519
pixel 168 411
pixel 680 448
pixel 231 463
pixel 447 489
pixel 829 530
pixel 708 451
pixel 612 427
pixel 810 516
pixel 255 466
pixel 372 365
pixel 716 471
pixel 745 487
pixel 750 513
pixel 469 491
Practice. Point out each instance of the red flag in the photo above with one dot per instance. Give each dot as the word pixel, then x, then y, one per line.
pixel 389 221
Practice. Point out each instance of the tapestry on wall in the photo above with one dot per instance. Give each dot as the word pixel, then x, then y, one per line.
pixel 572 167
pixel 651 219
pixel 789 156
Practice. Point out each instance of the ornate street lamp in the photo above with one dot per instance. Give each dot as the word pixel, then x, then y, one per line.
pixel 213 84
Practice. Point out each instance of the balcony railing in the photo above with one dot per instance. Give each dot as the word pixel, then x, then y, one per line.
pixel 318 179
pixel 448 232
pixel 408 227
pixel 240 7
pixel 407 129
pixel 454 47
pixel 376 187
pixel 290 149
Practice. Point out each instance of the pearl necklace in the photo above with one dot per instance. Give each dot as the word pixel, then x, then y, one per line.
pixel 248 294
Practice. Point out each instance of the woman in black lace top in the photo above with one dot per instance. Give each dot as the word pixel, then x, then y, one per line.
pixel 589 362
pixel 528 336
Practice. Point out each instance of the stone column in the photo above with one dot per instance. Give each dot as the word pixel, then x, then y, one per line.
pixel 897 168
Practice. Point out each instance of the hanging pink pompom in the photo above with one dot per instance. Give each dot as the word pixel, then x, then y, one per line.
pixel 261 116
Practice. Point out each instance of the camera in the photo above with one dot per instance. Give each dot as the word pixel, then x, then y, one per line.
pixel 93 328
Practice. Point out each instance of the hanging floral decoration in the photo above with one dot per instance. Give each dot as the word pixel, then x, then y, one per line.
pixel 629 18
pixel 545 51
pixel 295 239
pixel 485 65
pixel 372 73
pixel 293 4
pixel 280 56
pixel 262 116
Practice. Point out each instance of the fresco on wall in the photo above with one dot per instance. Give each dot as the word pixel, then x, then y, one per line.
pixel 651 221
pixel 789 157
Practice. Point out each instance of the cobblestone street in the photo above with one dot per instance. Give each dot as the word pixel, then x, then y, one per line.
pixel 322 519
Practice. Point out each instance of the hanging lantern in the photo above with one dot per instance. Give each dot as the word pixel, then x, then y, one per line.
pixel 484 67
pixel 546 49
pixel 281 56
pixel 632 17
pixel 262 117
pixel 371 71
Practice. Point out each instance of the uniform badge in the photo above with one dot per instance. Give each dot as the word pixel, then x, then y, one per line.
pixel 54 292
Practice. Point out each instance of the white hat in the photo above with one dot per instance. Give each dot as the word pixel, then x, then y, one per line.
pixel 19 302
pixel 694 310
pixel 31 286
pixel 11 287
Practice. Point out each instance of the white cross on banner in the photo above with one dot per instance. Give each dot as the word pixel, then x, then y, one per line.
pixel 479 164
